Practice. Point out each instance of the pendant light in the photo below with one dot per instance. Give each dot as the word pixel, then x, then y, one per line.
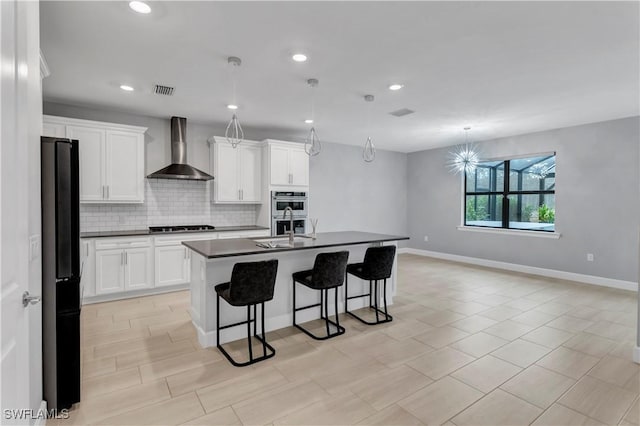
pixel 465 158
pixel 369 151
pixel 312 145
pixel 234 133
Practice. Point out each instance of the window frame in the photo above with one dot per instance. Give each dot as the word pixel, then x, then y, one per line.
pixel 506 192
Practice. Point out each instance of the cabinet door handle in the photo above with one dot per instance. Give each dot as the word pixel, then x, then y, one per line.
pixel 122 258
pixel 185 253
pixel 242 194
pixel 126 258
pixel 107 192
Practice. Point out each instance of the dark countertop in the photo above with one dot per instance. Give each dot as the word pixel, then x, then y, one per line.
pixel 146 232
pixel 244 246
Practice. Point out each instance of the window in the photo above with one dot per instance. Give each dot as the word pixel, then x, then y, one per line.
pixel 515 194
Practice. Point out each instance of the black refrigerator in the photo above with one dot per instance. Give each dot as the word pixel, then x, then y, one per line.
pixel 61 288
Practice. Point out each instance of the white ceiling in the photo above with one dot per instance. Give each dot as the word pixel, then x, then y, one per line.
pixel 503 68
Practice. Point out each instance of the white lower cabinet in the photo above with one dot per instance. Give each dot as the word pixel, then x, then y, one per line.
pixel 172 265
pixel 138 274
pixel 109 271
pixel 123 265
pixel 116 265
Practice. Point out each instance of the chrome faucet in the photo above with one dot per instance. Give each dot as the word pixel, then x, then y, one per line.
pixel 290 231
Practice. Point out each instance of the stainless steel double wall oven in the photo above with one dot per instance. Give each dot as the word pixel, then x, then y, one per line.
pixel 297 202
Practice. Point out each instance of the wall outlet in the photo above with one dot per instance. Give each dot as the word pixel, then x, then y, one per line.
pixel 589 257
pixel 426 238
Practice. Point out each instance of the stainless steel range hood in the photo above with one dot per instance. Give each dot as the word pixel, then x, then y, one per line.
pixel 179 169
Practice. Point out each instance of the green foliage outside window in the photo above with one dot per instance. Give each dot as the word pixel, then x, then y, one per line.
pixel 546 214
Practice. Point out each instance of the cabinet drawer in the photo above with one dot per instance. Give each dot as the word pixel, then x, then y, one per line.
pixel 103 244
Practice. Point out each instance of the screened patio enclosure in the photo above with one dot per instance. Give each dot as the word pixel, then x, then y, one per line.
pixel 515 194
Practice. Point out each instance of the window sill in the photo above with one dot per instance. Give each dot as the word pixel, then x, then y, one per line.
pixel 520 232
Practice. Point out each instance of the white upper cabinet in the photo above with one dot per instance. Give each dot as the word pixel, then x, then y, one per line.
pixel 288 164
pixel 53 129
pixel 91 144
pixel 111 158
pixel 250 160
pixel 299 166
pixel 125 166
pixel 237 172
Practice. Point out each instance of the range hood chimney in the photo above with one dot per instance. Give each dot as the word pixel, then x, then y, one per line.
pixel 179 169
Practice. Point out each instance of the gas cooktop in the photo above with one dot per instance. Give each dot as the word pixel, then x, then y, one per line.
pixel 181 228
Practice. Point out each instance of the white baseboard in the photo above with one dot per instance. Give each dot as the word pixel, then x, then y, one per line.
pixel 636 354
pixel 552 273
pixel 88 300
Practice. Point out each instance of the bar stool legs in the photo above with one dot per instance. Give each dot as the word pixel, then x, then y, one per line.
pixel 373 287
pixel 324 314
pixel 261 339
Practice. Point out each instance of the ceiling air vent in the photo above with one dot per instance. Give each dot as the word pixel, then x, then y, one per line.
pixel 402 112
pixel 159 89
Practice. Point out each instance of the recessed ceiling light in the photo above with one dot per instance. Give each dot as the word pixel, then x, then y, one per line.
pixel 126 88
pixel 232 106
pixel 299 57
pixel 308 121
pixel 140 7
pixel 396 86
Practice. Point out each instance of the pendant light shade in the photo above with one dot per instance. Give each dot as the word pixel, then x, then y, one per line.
pixel 465 158
pixel 234 133
pixel 369 150
pixel 312 145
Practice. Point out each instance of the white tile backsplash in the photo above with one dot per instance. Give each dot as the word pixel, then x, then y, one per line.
pixel 167 202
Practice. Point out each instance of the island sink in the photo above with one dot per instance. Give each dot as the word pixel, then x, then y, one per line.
pixel 279 242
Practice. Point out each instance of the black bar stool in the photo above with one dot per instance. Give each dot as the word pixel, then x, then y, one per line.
pixel 377 265
pixel 327 273
pixel 252 283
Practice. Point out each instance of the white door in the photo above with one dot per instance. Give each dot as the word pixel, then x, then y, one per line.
pixel 226 174
pixel 109 271
pixel 250 165
pixel 172 265
pixel 124 174
pixel 280 173
pixel 137 269
pixel 299 166
pixel 92 174
pixel 19 132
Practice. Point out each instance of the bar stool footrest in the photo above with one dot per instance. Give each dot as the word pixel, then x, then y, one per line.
pixel 340 331
pixel 388 318
pixel 271 353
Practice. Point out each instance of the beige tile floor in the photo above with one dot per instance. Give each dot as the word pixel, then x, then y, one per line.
pixel 468 346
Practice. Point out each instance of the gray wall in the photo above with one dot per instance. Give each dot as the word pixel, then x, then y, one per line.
pixel 348 194
pixel 597 202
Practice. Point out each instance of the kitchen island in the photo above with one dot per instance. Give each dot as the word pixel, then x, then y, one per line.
pixel 212 262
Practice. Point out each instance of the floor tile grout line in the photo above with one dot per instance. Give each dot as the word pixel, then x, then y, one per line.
pixel 626 413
